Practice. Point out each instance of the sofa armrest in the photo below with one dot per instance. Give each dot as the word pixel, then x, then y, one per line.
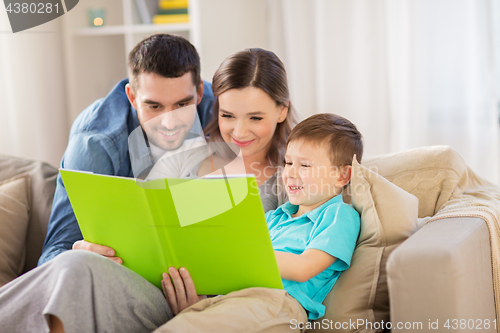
pixel 441 273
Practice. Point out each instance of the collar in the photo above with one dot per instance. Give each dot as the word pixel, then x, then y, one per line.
pixel 291 209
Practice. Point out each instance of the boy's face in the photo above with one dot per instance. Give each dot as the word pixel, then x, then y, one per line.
pixel 310 178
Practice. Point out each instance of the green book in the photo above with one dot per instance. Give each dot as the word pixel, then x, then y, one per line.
pixel 172 11
pixel 215 227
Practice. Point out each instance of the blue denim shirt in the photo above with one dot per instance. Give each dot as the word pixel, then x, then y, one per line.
pixel 98 142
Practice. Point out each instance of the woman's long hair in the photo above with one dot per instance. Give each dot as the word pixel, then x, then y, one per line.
pixel 260 69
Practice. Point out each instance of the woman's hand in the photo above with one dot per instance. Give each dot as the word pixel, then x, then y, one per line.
pixel 105 251
pixel 180 292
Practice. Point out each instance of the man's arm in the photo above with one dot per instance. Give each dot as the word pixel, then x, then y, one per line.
pixel 302 267
pixel 63 230
pixel 85 152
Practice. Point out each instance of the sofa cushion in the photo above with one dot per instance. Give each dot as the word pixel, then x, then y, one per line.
pixel 388 217
pixel 42 183
pixel 14 216
pixel 433 174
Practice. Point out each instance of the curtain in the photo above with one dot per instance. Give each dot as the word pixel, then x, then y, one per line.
pixel 408 73
pixel 33 120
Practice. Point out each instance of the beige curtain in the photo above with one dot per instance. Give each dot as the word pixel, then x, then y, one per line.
pixel 408 73
pixel 33 121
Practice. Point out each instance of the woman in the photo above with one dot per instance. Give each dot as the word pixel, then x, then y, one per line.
pixel 254 113
pixel 252 118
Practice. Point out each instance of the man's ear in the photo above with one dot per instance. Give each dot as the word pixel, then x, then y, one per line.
pixel 344 176
pixel 131 95
pixel 200 92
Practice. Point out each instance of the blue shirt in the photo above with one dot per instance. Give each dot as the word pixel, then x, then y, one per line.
pixel 98 142
pixel 333 228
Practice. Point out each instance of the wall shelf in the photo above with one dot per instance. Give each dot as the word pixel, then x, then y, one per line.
pixel 96 57
pixel 135 28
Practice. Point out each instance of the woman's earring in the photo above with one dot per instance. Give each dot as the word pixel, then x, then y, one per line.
pixel 280 119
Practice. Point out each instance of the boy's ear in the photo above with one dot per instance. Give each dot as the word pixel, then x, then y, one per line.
pixel 344 176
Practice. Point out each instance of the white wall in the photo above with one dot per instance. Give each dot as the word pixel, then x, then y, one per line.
pixel 33 109
pixel 36 112
pixel 229 26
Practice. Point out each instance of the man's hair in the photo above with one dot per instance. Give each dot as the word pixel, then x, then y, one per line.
pixel 165 55
pixel 337 134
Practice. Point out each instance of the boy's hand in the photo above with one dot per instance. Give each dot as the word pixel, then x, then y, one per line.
pixel 180 294
pixel 96 248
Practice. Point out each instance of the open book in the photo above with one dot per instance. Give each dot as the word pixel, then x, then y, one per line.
pixel 213 227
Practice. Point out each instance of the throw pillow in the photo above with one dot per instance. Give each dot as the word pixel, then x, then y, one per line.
pixel 14 216
pixel 433 174
pixel 42 178
pixel 388 217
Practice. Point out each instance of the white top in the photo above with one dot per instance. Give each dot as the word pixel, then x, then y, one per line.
pixel 178 163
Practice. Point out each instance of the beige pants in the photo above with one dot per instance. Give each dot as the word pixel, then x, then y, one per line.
pixel 247 310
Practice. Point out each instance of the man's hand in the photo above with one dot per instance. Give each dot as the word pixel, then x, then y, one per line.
pixel 96 248
pixel 182 293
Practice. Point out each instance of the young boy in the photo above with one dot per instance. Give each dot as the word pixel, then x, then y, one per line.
pixel 313 235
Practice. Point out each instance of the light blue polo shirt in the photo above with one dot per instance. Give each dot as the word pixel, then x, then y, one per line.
pixel 333 228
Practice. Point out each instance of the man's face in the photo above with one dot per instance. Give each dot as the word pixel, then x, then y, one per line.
pixel 166 107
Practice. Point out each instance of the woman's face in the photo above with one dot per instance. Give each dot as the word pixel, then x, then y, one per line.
pixel 248 118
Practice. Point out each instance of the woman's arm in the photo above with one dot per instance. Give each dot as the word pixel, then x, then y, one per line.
pixel 302 267
pixel 179 289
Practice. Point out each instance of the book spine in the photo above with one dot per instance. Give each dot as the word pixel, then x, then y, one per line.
pixel 172 11
pixel 176 18
pixel 162 223
pixel 172 4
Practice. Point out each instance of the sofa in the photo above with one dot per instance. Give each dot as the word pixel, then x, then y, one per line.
pixel 423 261
pixel 26 194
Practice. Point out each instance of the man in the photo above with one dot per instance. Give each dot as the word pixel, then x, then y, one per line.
pixel 160 100
pixel 164 74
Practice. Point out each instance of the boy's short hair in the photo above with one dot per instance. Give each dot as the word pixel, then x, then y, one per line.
pixel 166 55
pixel 341 137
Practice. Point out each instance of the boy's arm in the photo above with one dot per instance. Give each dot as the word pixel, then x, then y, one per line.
pixel 333 242
pixel 303 267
